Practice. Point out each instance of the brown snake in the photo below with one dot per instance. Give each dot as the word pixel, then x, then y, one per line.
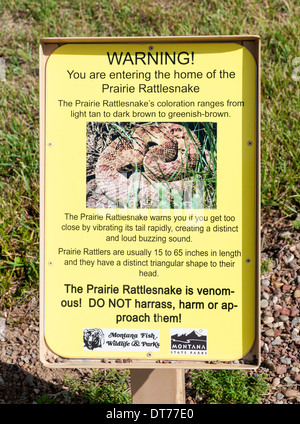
pixel 162 152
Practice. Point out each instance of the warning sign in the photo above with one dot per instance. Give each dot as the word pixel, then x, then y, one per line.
pixel 149 157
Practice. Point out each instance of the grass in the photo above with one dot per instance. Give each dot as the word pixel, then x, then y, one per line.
pixel 266 265
pixel 107 388
pixel 24 22
pixel 229 386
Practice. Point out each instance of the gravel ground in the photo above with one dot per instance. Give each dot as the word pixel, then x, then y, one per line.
pixel 23 379
pixel 280 299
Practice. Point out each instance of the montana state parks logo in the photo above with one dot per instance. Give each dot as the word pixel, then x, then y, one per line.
pixel 189 341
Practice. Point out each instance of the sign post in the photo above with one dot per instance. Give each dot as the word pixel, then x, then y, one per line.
pixel 150 204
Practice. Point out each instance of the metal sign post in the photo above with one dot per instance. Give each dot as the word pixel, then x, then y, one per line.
pixel 150 213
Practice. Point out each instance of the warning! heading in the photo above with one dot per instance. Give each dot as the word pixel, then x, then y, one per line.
pixel 158 58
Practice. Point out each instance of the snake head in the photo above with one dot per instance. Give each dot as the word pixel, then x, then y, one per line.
pixel 129 160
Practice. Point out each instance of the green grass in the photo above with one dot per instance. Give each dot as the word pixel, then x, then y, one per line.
pixel 110 387
pixel 266 265
pixel 296 222
pixel 229 386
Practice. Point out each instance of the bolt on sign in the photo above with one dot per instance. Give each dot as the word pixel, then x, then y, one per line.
pixel 150 201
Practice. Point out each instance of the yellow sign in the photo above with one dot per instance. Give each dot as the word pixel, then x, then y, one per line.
pixel 150 201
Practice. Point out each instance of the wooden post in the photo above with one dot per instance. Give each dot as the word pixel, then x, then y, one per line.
pixel 158 386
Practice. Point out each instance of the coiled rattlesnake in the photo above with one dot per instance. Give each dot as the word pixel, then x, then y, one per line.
pixel 159 157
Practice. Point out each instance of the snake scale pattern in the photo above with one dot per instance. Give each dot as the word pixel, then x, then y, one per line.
pixel 134 171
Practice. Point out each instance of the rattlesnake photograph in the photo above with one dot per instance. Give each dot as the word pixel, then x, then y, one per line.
pixel 151 165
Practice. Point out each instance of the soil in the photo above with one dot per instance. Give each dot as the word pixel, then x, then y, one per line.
pixel 24 380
